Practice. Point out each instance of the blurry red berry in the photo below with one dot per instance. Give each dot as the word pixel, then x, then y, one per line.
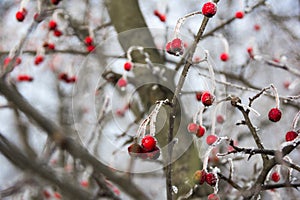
pixel 192 128
pixel 220 119
pixel 162 18
pixel 18 61
pixel 213 196
pixel 209 9
pixel 199 177
pixel 239 14
pixel 128 66
pixel 52 25
pixel 176 46
pixel 84 183
pixel 55 2
pixel 274 115
pixel 51 46
pixel 73 79
pixel 6 61
pixel 207 98
pixel 290 136
pixel 148 143
pixel 57 195
pixel 201 131
pixel 286 84
pixel 135 149
pixel 156 13
pixel 63 76
pixel 122 82
pixel 169 49
pixel 211 179
pixel 275 176
pixel 211 139
pixel 257 27
pixel 224 57
pixel 38 60
pixel 46 194
pixel 153 154
pixel 198 96
pixel 57 33
pixel 90 48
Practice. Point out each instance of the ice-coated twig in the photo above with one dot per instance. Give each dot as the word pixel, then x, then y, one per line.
pixel 181 20
pixel 288 159
pixel 295 120
pixel 276 95
pixel 224 42
pixel 245 107
pixel 23 4
pixel 211 71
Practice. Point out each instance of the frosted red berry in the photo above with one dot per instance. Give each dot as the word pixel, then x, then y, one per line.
pixel 162 18
pixel 198 96
pixel 290 136
pixel 211 139
pixel 213 196
pixel 156 13
pixel 257 27
pixel 177 46
pixel 209 9
pixel 211 179
pixel 274 115
pixel 207 98
pixel 90 48
pixel 88 40
pixel 201 131
pixel 275 176
pixel 38 60
pixel 199 177
pixel 135 149
pixel 169 49
pixel 154 154
pixel 148 143
pixel 51 46
pixel 220 119
pixel 224 57
pixel 192 128
pixel 122 82
pixel 57 33
pixel 20 16
pixel 52 25
pixel 239 14
pixel 128 66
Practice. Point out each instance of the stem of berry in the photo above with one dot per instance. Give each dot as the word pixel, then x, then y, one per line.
pixel 295 120
pixel 245 107
pixel 181 20
pixel 211 72
pixel 276 95
pixel 200 114
pixel 23 4
pixel 224 41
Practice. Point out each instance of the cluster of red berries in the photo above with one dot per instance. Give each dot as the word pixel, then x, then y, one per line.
pixel 55 2
pixel 196 129
pixel 175 47
pixel 201 176
pixel 147 150
pixel 53 27
pixel 88 41
pixel 25 78
pixel 65 77
pixel 209 9
pixel 21 14
pixel 161 16
pixel 205 97
pixel 49 46
pixel 274 115
pixel 7 60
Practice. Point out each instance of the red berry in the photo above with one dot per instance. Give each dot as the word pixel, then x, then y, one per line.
pixel 120 113
pixel 286 84
pixel 46 194
pixel 239 14
pixel 73 79
pixel 128 66
pixel 55 2
pixel 57 33
pixel 192 128
pixel 250 52
pixel 199 177
pixel 6 61
pixel 256 27
pixel 209 9
pixel 201 131
pixel 57 195
pixel 135 149
pixel 18 61
pixel 176 46
pixel 290 136
pixel 275 176
pixel 20 16
pixel 148 143
pixel 162 17
pixel 90 48
pixel 169 49
pixel 207 98
pixel 224 57
pixel 274 115
pixel 156 13
pixel 51 46
pixel 154 154
pixel 122 82
pixel 88 40
pixel 211 179
pixel 220 119
pixel 198 96
pixel 213 197
pixel 211 139
pixel 52 25
pixel 84 184
pixel 38 60
pixel 63 76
